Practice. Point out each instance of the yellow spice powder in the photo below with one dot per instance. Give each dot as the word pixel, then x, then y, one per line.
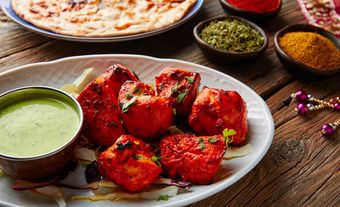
pixel 311 49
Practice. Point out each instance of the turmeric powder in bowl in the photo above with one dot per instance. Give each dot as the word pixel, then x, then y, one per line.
pixel 311 49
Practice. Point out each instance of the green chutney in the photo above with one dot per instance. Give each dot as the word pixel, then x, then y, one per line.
pixel 35 125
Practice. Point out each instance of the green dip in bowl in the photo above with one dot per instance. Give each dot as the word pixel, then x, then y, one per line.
pixel 38 129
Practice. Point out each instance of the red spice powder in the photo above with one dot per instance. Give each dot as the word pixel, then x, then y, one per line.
pixel 258 6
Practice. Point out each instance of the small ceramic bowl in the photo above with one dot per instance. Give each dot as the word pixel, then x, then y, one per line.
pixel 223 56
pixel 255 16
pixel 293 65
pixel 49 164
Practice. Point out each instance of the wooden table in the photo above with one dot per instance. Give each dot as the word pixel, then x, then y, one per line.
pixel 301 167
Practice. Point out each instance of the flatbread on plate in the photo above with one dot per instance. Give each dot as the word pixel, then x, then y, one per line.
pixel 102 17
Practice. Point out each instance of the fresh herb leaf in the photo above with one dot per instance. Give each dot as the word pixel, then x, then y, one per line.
pixel 181 96
pixel 212 140
pixel 201 143
pixel 174 111
pixel 127 105
pixel 189 79
pixel 128 96
pixel 175 88
pixel 137 90
pixel 156 160
pixel 163 198
pixel 137 157
pixel 227 133
pixel 122 146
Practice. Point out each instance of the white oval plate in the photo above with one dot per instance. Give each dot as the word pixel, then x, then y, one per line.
pixel 57 73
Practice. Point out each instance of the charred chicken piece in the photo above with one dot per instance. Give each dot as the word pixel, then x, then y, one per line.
pixel 215 110
pixel 144 115
pixel 191 158
pixel 102 125
pixel 115 76
pixel 130 163
pixel 180 86
pixel 134 88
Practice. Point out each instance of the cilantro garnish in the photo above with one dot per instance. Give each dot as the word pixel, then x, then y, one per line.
pixel 201 143
pixel 189 79
pixel 156 160
pixel 137 90
pixel 137 157
pixel 127 105
pixel 174 111
pixel 128 96
pixel 181 96
pixel 163 198
pixel 227 133
pixel 212 140
pixel 175 88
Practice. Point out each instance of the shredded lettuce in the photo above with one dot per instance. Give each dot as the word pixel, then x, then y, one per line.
pixel 80 83
pixel 149 195
pixel 233 152
pixel 82 153
pixel 174 130
pixel 54 192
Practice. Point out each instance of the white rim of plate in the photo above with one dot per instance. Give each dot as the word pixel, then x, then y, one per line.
pixel 225 183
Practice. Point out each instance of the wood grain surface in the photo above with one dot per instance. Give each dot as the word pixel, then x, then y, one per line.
pixel 301 167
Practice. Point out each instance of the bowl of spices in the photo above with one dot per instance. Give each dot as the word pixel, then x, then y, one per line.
pixel 308 50
pixel 256 10
pixel 39 127
pixel 230 39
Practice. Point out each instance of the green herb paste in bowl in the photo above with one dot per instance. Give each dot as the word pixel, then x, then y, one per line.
pixel 232 35
pixel 35 122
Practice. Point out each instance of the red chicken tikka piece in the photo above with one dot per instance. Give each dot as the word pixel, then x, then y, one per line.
pixel 102 124
pixel 180 86
pixel 130 163
pixel 215 110
pixel 115 76
pixel 144 115
pixel 191 158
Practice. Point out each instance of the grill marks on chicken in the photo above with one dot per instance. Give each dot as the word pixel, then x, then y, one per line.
pixel 180 86
pixel 117 103
pixel 144 115
pixel 215 110
pixel 129 163
pixel 102 124
pixel 191 158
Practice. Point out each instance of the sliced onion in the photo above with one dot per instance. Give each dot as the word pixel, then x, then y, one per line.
pixel 175 130
pixel 156 194
pixel 103 183
pixel 54 192
pixel 233 152
pixel 70 88
pixel 27 185
pixel 167 181
pixel 149 195
pixel 82 153
pixel 79 84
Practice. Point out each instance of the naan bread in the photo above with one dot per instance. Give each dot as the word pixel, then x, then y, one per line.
pixel 101 17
